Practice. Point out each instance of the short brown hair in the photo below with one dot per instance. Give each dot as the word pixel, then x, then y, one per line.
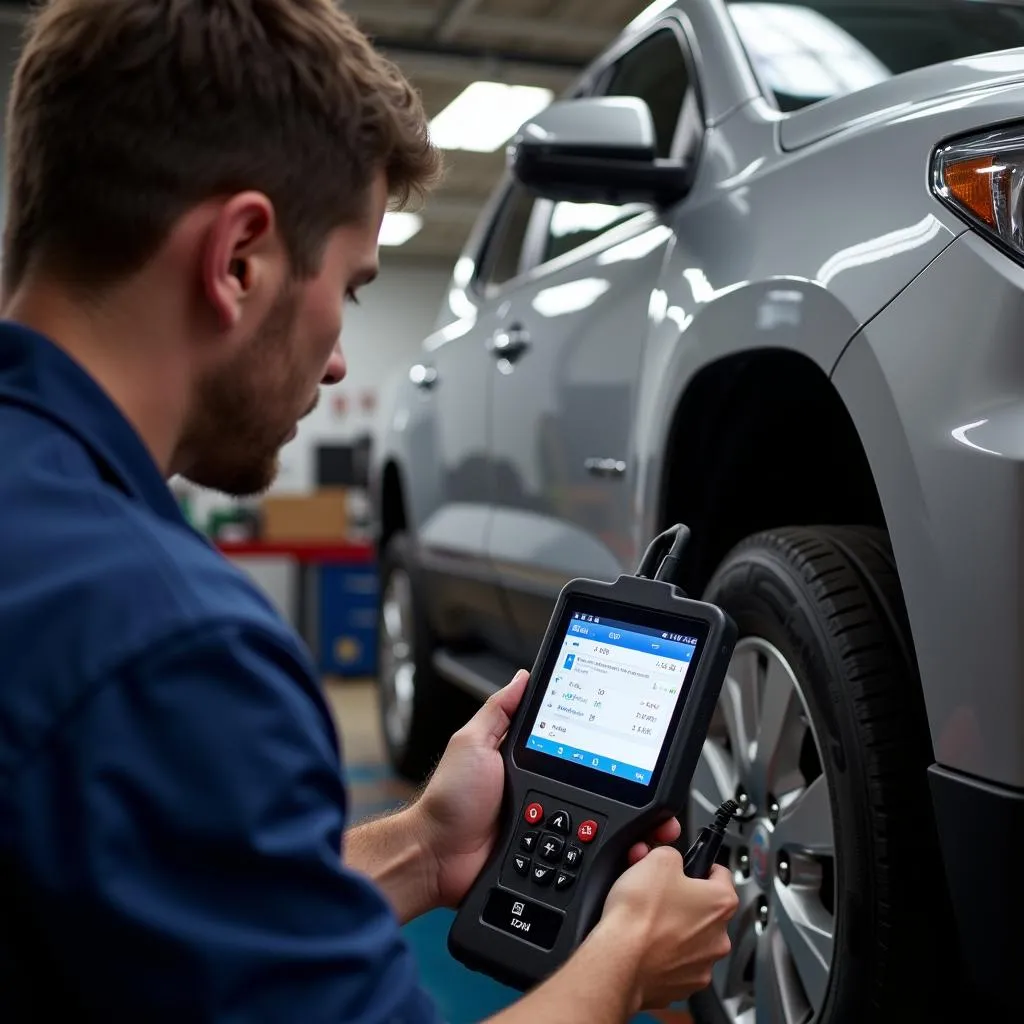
pixel 126 113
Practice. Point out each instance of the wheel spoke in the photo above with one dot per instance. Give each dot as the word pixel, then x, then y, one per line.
pixel 714 782
pixel 805 823
pixel 779 733
pixel 397 667
pixel 728 974
pixel 807 928
pixel 769 996
pixel 739 705
pixel 392 615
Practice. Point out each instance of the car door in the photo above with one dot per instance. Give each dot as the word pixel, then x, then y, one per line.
pixel 455 380
pixel 568 353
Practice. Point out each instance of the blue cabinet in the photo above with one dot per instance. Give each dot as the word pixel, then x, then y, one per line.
pixel 347 619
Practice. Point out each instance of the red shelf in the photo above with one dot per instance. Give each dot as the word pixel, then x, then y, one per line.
pixel 306 553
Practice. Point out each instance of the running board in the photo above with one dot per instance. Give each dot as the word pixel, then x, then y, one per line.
pixel 479 675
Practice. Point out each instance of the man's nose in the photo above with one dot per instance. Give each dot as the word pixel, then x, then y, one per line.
pixel 336 368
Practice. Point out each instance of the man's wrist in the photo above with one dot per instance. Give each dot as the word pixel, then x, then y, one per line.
pixel 423 840
pixel 624 938
pixel 396 852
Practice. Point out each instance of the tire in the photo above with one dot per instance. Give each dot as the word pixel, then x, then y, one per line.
pixel 825 606
pixel 419 710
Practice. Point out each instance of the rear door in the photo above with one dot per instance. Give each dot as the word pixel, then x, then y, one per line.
pixel 457 380
pixel 568 351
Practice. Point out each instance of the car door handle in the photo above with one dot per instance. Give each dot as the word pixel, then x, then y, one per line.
pixel 423 376
pixel 509 343
pixel 605 467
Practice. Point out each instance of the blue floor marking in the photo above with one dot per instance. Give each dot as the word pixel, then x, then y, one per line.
pixel 360 773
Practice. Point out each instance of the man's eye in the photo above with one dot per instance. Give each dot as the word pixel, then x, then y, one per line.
pixel 350 296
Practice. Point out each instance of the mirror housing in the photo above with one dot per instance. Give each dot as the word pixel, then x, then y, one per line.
pixel 596 150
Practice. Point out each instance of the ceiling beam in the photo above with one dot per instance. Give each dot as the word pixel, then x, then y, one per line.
pixel 446 63
pixel 450 209
pixel 418 19
pixel 448 25
pixel 13 15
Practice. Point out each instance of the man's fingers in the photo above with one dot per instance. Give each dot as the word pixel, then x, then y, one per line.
pixel 667 832
pixel 637 852
pixel 491 722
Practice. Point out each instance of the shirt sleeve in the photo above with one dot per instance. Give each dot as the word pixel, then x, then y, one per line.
pixel 180 842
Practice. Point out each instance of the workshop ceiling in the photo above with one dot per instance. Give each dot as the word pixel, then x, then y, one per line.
pixel 446 45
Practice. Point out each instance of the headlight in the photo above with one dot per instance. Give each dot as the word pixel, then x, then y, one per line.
pixel 982 179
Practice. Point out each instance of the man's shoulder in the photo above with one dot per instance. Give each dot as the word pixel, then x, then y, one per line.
pixel 91 579
pixel 76 545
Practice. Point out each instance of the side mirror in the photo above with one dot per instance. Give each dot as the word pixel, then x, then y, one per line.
pixel 601 150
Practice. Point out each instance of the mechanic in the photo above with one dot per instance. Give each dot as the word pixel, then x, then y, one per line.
pixel 195 186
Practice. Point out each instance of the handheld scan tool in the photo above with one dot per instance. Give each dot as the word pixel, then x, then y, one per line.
pixel 601 750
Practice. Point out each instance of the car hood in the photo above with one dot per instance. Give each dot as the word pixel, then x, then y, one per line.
pixel 952 82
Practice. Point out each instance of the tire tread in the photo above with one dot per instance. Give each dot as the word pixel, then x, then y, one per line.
pixel 850 576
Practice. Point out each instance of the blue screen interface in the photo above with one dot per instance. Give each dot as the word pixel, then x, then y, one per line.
pixel 611 696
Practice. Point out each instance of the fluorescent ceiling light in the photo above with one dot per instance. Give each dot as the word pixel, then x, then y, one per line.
pixel 398 227
pixel 485 115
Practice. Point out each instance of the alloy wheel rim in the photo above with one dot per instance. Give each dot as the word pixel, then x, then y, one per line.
pixel 397 658
pixel 762 750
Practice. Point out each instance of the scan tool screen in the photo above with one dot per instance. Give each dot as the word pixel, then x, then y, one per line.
pixel 611 695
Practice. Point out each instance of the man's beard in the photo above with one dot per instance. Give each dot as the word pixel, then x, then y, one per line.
pixel 241 418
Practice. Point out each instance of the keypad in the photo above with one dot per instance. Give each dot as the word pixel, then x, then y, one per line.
pixel 540 874
pixel 563 880
pixel 560 822
pixel 549 850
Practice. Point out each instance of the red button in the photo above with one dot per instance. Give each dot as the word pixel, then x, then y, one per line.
pixel 587 832
pixel 534 812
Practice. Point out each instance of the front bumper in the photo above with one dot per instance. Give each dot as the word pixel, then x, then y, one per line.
pixel 981 832
pixel 935 387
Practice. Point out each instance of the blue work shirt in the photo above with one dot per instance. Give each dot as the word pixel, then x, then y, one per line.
pixel 171 794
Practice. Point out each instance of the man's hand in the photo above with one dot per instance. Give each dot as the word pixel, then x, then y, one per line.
pixel 458 811
pixel 675 926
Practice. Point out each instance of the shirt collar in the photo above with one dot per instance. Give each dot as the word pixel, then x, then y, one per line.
pixel 37 374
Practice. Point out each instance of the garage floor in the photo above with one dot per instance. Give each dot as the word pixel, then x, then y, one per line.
pixel 463 996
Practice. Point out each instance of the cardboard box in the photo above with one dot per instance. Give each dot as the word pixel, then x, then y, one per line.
pixel 321 516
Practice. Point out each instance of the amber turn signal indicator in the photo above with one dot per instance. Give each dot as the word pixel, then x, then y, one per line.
pixel 972 183
pixel 981 179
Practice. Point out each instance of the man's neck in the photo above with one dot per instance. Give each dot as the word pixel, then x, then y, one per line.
pixel 118 345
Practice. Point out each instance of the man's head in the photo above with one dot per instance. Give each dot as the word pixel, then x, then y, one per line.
pixel 241 153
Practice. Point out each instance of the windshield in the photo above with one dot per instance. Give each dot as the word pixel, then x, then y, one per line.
pixel 810 51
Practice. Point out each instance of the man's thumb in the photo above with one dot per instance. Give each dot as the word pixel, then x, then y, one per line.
pixel 492 720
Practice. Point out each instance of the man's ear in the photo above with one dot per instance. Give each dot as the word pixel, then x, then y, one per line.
pixel 240 253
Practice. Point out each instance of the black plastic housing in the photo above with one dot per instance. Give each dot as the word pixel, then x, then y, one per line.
pixel 523 960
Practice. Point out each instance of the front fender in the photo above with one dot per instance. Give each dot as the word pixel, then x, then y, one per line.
pixel 688 338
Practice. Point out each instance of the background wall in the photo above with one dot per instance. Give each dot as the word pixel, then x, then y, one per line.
pixel 10 44
pixel 381 338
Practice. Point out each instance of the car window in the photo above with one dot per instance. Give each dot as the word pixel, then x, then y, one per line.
pixel 575 224
pixel 503 250
pixel 806 51
pixel 655 71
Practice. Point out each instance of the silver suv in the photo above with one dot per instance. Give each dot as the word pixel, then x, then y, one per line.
pixel 761 272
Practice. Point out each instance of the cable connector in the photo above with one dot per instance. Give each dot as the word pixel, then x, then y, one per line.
pixel 669 568
pixel 701 856
pixel 664 554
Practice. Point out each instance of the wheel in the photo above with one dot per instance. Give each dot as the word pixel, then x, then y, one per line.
pixel 820 734
pixel 419 710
